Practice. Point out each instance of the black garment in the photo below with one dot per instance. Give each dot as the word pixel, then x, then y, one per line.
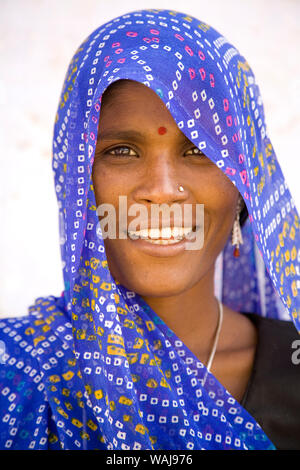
pixel 273 392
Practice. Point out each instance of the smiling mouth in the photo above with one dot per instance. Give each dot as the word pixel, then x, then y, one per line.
pixel 164 236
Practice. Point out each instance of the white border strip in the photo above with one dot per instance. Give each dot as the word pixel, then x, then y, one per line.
pixel 218 276
pixel 260 270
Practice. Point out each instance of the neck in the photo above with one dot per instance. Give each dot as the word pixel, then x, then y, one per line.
pixel 192 315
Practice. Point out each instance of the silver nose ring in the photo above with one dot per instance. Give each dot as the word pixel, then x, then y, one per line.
pixel 181 188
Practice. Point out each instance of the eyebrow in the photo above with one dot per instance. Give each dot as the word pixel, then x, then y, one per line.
pixel 120 135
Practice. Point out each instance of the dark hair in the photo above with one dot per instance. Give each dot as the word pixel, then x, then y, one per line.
pixel 243 215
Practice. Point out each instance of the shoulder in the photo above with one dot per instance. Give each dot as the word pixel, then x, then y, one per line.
pixel 22 398
pixel 279 339
pixel 278 348
pixel 273 395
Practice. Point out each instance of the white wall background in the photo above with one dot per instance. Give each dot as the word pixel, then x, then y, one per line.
pixel 38 39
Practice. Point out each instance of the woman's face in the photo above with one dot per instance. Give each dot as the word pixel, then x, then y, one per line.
pixel 143 155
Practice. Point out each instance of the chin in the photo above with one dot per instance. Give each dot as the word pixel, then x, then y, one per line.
pixel 155 287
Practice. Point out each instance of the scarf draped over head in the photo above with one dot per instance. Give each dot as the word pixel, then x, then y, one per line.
pixel 136 384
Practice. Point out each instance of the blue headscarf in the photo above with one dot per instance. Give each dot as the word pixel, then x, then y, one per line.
pixel 110 373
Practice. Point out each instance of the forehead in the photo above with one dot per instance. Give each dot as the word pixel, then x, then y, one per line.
pixel 131 93
pixel 123 87
pixel 128 101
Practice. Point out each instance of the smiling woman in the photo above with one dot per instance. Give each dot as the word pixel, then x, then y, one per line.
pixel 146 167
pixel 145 349
pixel 136 161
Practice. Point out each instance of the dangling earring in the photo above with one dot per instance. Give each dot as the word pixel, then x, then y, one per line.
pixel 236 234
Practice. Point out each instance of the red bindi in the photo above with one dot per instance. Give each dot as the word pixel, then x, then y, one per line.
pixel 162 130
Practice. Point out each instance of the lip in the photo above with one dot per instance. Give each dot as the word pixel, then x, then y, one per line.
pixel 161 250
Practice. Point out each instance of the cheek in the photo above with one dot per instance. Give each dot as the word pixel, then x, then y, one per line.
pixel 229 196
pixel 221 197
pixel 108 185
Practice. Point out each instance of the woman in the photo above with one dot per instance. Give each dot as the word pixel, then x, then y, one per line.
pixel 156 344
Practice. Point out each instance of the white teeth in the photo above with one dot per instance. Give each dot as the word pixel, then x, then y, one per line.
pixel 154 235
pixel 166 232
pixel 177 232
pixel 162 242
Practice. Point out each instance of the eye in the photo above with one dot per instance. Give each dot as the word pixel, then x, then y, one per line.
pixel 195 151
pixel 121 151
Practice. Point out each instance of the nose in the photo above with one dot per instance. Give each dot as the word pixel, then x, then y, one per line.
pixel 160 184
